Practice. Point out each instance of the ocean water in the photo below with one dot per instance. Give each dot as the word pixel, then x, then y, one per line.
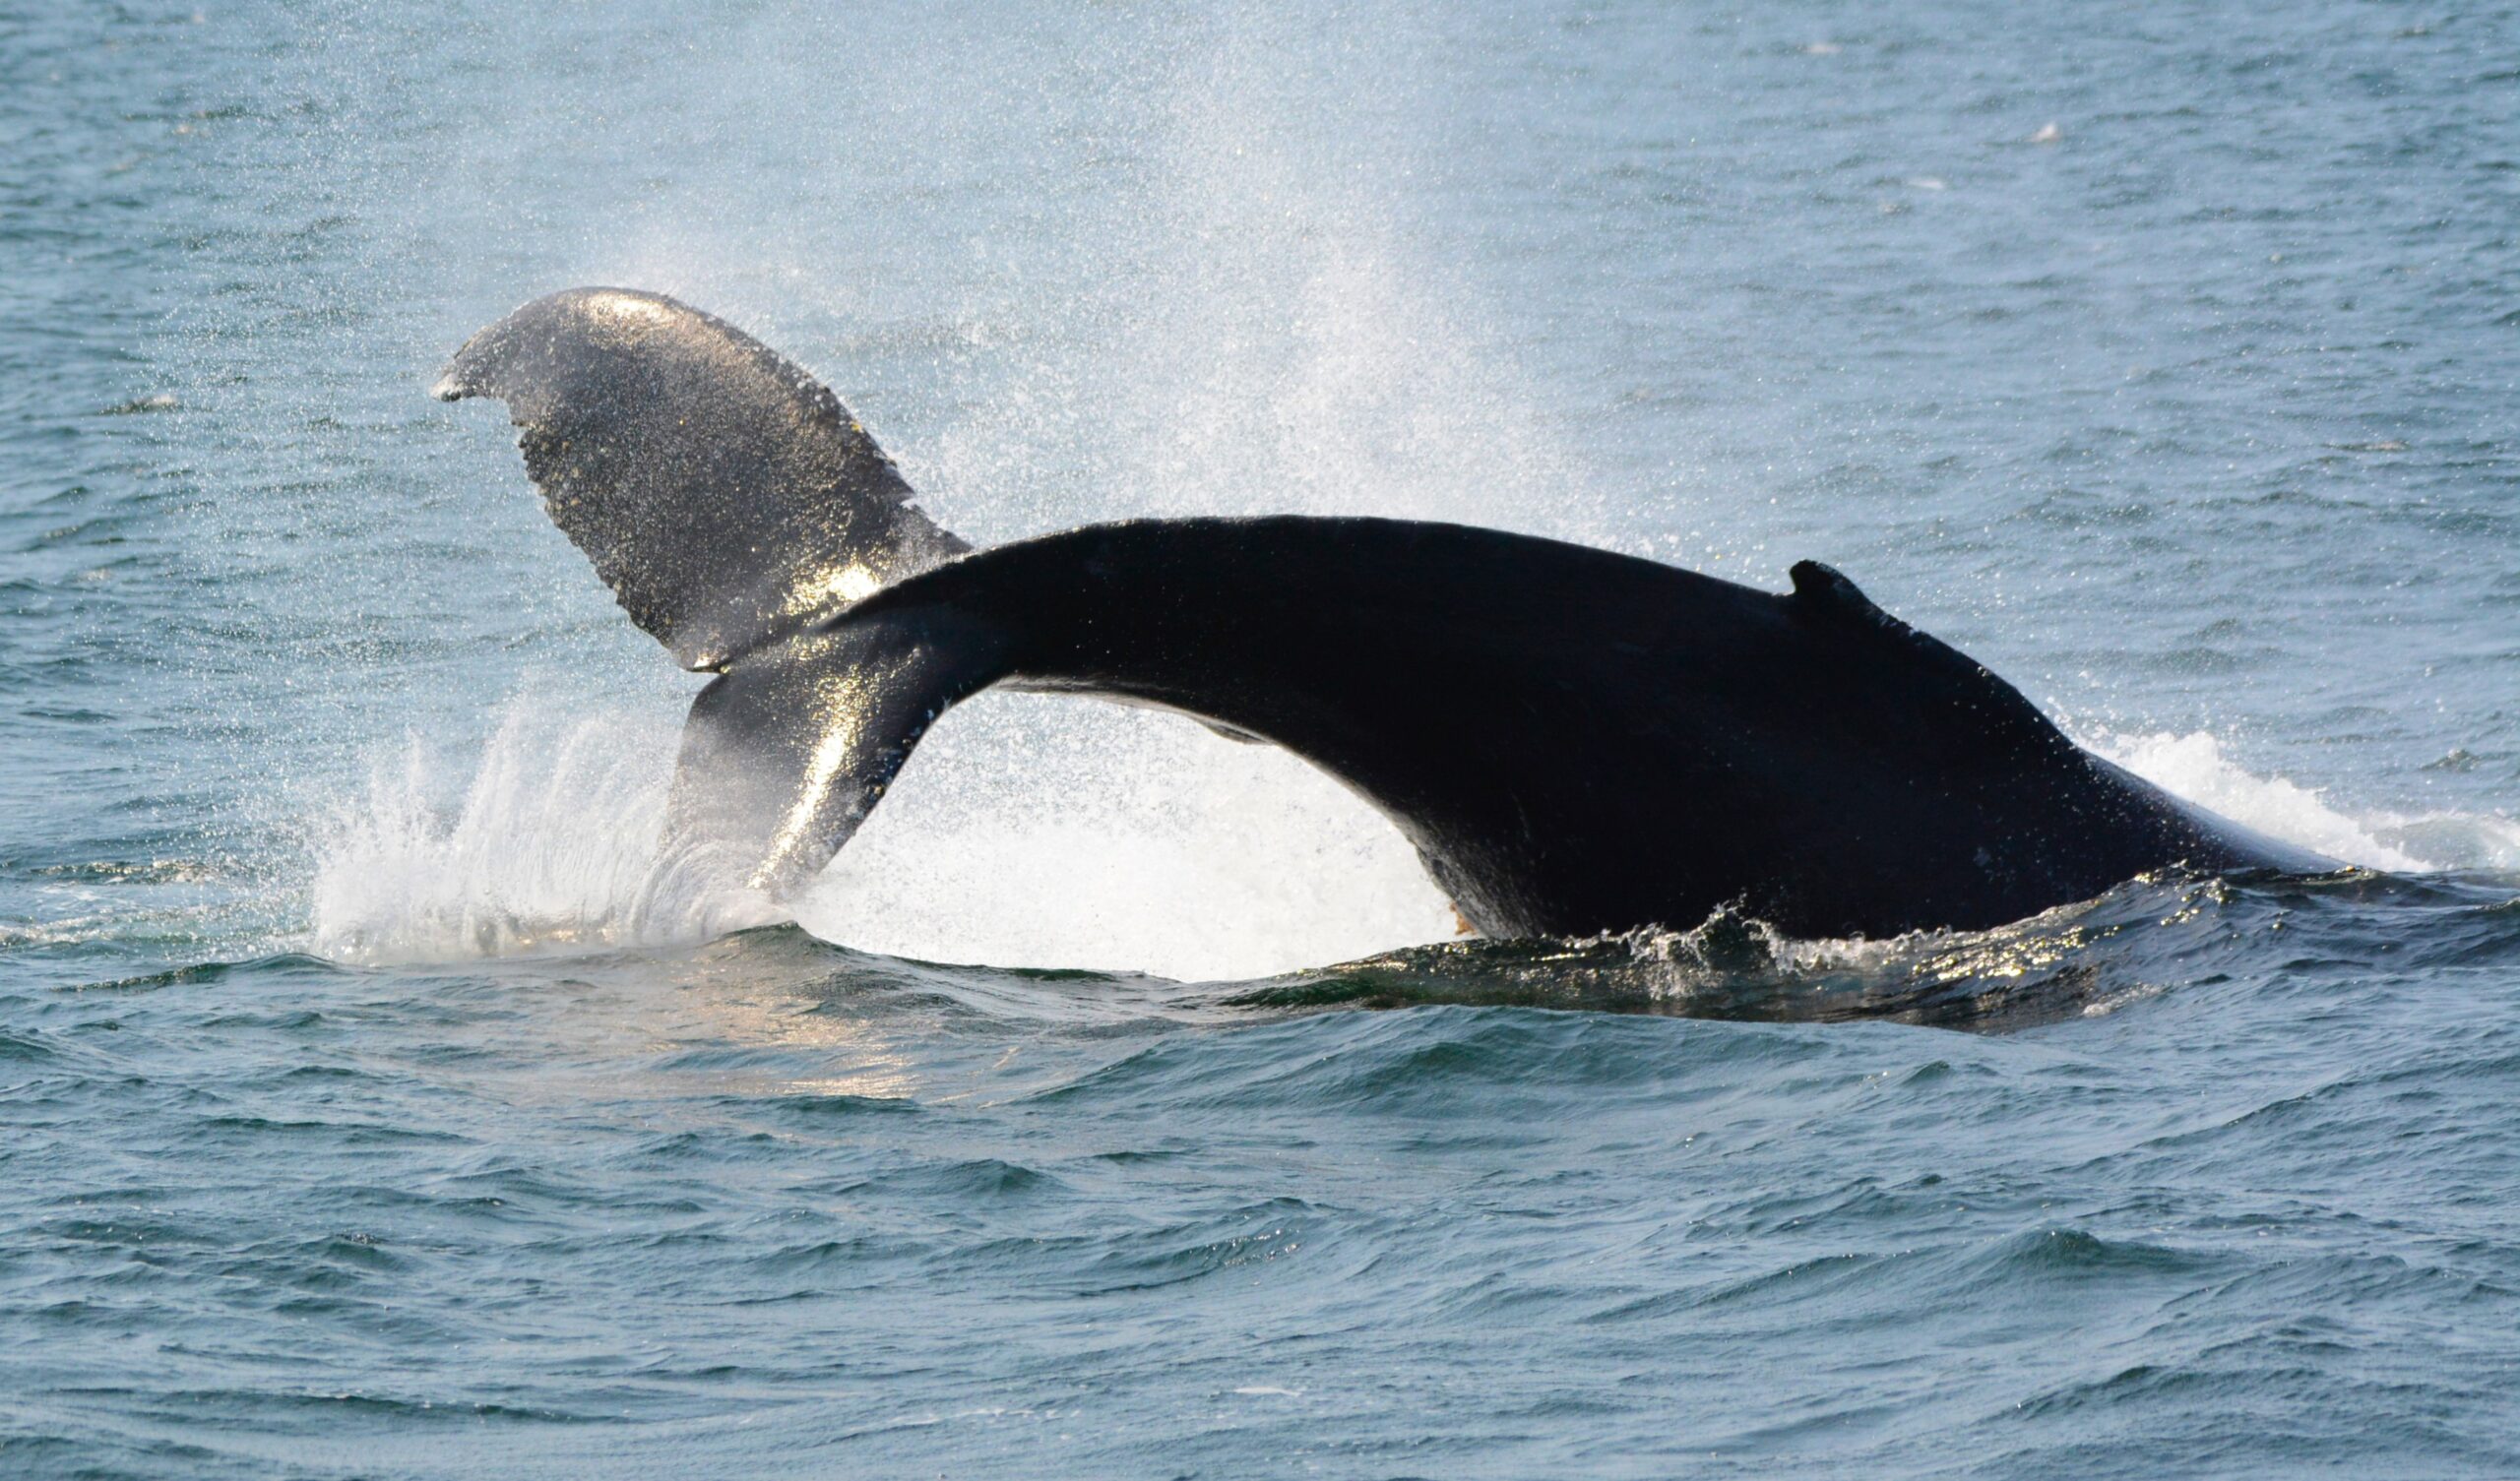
pixel 1119 1103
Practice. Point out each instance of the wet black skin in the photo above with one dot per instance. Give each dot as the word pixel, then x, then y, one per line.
pixel 1579 741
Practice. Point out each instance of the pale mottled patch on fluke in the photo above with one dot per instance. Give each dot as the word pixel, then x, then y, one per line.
pixel 724 495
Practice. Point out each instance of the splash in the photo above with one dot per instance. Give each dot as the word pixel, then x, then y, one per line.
pixel 1263 327
pixel 2193 767
pixel 1026 833
pixel 1033 832
pixel 1242 313
pixel 551 846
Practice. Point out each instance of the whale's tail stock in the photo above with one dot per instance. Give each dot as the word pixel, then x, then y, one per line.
pixel 1574 740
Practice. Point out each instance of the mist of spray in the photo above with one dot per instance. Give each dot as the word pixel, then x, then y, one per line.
pixel 1231 319
pixel 1065 276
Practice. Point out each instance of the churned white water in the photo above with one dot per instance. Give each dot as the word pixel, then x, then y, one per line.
pixel 2193 767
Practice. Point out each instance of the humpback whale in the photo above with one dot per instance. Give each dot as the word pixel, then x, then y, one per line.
pixel 1575 741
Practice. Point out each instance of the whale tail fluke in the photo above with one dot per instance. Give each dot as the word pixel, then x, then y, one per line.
pixel 724 495
pixel 785 754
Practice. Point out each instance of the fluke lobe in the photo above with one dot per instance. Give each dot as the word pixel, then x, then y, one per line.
pixel 1575 741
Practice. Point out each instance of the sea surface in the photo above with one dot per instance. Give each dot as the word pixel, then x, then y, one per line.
pixel 1120 1103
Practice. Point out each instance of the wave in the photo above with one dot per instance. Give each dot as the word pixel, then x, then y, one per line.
pixel 2153 934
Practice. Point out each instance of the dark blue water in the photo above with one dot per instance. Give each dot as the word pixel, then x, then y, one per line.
pixel 360 1117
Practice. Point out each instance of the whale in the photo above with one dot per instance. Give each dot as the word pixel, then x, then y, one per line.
pixel 1575 741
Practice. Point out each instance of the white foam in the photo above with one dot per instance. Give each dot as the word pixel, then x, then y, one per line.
pixel 2194 766
pixel 550 844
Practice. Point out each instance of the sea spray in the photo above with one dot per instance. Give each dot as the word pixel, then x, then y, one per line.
pixel 1037 831
pixel 550 844
pixel 1026 833
pixel 2195 767
pixel 1031 831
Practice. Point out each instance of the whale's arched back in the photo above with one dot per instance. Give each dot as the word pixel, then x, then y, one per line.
pixel 1574 740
